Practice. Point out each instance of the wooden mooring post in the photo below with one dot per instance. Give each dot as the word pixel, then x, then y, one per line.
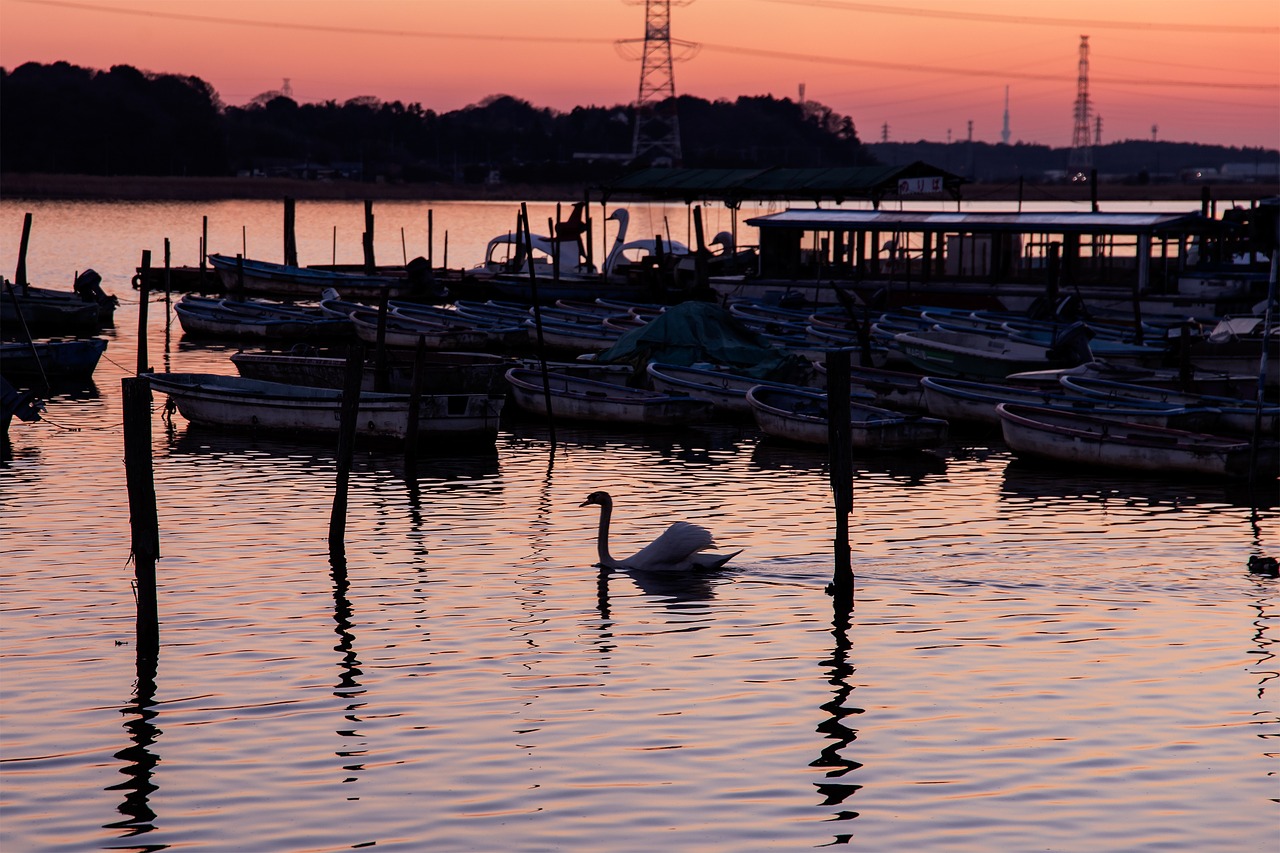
pixel 522 225
pixel 840 445
pixel 143 524
pixel 290 236
pixel 144 299
pixel 348 419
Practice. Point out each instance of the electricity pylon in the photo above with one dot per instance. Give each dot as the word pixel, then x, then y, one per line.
pixel 656 138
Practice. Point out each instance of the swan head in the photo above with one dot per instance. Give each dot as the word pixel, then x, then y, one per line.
pixel 598 499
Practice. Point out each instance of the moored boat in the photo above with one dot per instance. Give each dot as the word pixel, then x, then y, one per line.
pixel 975 355
pixel 235 402
pixel 440 372
pixel 243 276
pixel 579 398
pixel 801 416
pixel 975 402
pixel 52 359
pixel 723 389
pixel 1078 439
pixel 1235 414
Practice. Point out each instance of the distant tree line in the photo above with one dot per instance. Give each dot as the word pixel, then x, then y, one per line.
pixel 62 118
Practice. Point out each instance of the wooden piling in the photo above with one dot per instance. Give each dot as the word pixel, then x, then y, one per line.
pixel 144 298
pixel 348 419
pixel 522 226
pixel 290 238
pixel 370 265
pixel 701 280
pixel 20 274
pixel 143 524
pixel 380 370
pixel 415 402
pixel 840 446
pixel 204 248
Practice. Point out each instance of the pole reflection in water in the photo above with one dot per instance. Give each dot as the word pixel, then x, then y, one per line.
pixel 141 761
pixel 348 687
pixel 834 729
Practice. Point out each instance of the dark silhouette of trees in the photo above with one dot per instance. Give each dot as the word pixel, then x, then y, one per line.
pixel 63 118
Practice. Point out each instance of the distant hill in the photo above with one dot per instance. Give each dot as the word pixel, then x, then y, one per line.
pixel 1130 161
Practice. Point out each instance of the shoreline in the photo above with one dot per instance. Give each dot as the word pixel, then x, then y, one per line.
pixel 152 188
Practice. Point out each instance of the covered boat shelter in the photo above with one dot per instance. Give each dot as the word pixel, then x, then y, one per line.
pixel 1143 251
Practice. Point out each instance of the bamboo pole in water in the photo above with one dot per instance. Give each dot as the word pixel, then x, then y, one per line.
pixel 144 298
pixel 20 274
pixel 348 417
pixel 522 224
pixel 840 447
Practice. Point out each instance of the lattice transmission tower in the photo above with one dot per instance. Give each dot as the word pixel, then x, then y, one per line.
pixel 656 138
pixel 1080 161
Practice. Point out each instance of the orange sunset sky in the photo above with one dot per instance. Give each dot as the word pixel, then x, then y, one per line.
pixel 1176 70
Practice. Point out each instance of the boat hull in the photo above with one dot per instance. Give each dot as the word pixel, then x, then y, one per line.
pixel 1073 439
pixel 52 359
pixel 237 403
pixel 602 402
pixel 801 416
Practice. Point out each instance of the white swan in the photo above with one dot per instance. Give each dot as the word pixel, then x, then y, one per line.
pixel 680 548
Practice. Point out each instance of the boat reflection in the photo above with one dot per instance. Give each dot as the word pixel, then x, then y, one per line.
pixel 706 444
pixel 911 468
pixel 1029 479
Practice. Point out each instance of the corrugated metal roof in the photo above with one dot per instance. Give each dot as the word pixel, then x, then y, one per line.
pixel 827 219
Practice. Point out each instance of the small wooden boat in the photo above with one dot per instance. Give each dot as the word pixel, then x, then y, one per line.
pixel 404 333
pixel 975 402
pixel 498 334
pixel 890 389
pixel 83 310
pixel 976 355
pixel 52 359
pixel 573 337
pixel 235 402
pixel 801 416
pixel 442 372
pixel 584 399
pixel 723 389
pixel 245 276
pixel 203 317
pixel 1235 414
pixel 1079 439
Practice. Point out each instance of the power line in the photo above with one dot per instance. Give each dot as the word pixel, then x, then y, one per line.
pixel 319 28
pixel 877 9
pixel 972 72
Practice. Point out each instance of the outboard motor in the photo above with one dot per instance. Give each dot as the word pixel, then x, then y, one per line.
pixel 422 282
pixel 1072 345
pixel 88 285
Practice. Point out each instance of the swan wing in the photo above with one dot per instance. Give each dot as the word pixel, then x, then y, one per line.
pixel 673 549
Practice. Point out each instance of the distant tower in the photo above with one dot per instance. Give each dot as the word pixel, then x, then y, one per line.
pixel 1004 132
pixel 286 89
pixel 657 129
pixel 1097 131
pixel 802 93
pixel 884 132
pixel 1154 128
pixel 1080 161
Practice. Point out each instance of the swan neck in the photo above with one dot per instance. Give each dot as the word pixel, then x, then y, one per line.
pixel 602 537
